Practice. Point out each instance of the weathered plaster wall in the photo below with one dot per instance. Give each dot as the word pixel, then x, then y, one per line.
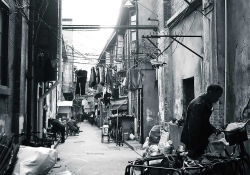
pixel 150 102
pixel 239 62
pixel 148 9
pixel 185 63
pixel 12 124
pixel 238 56
pixel 165 73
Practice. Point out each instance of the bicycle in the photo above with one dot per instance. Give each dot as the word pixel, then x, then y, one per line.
pixel 34 141
pixel 236 163
pixel 50 135
pixel 236 138
pixel 8 154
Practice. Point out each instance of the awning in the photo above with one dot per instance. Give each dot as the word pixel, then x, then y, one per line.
pixel 120 104
pixel 65 103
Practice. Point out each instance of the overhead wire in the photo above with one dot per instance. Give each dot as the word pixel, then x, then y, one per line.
pixel 52 28
pixel 40 19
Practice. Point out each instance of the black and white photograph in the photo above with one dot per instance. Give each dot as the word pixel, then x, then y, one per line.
pixel 124 87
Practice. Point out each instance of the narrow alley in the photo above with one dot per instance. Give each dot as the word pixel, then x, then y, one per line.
pixel 85 154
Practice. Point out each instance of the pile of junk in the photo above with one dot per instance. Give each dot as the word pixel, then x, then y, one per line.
pixel 17 159
pixel 158 147
pixel 162 157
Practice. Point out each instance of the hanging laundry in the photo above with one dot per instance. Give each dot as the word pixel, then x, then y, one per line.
pixel 101 71
pixel 97 75
pixel 133 79
pixel 107 98
pixel 140 79
pixel 124 82
pixel 102 75
pixel 92 81
pixel 91 78
pixel 81 82
pixel 109 79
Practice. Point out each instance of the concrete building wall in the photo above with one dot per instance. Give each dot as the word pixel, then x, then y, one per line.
pixel 238 56
pixel 164 73
pixel 68 84
pixel 146 10
pixel 185 63
pixel 150 102
pixel 182 64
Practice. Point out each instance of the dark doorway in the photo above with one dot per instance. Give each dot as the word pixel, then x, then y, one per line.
pixel 188 93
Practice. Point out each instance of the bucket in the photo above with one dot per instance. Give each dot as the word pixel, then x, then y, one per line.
pixel 125 136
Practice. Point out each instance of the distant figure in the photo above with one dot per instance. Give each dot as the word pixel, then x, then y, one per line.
pixel 57 126
pixel 91 118
pixel 73 125
pixel 197 128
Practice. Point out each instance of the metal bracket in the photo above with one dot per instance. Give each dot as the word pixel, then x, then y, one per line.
pixel 173 37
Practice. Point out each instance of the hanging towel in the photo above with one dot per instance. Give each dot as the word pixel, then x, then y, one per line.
pixel 133 79
pixel 93 78
pixel 97 75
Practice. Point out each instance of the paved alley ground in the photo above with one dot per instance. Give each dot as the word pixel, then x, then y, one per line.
pixel 85 154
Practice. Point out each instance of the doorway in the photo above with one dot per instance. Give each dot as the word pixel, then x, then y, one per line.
pixel 188 93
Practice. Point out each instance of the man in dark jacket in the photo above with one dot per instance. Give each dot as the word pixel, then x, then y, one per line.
pixel 58 126
pixel 197 128
pixel 73 125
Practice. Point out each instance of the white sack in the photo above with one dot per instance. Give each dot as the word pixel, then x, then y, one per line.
pixel 35 160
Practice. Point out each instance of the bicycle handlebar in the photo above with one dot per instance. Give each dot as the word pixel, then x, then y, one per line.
pixel 222 129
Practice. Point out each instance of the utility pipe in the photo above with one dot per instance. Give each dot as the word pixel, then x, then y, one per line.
pixel 226 62
pixel 40 100
pixel 137 31
pixel 95 27
pixel 30 81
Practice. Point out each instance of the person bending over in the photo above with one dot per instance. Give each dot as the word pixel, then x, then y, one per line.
pixel 58 126
pixel 197 128
pixel 73 125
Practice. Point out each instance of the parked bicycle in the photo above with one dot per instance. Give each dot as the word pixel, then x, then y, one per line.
pixel 236 138
pixel 236 163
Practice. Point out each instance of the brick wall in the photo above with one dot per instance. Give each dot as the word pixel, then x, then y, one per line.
pixel 15 103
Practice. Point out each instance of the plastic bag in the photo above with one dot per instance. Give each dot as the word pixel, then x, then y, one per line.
pixel 131 136
pixel 154 150
pixel 35 160
pixel 146 143
pixel 155 135
pixel 164 136
pixel 233 126
pixel 166 147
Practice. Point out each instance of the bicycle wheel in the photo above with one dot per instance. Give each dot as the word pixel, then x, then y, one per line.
pixel 244 166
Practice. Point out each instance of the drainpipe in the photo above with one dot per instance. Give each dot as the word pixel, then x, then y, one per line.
pixel 226 63
pixel 30 82
pixel 137 31
pixel 40 100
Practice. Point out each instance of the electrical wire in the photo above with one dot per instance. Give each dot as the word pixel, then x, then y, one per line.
pixel 40 19
pixel 74 50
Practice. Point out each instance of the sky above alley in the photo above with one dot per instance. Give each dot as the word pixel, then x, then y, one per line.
pixel 91 12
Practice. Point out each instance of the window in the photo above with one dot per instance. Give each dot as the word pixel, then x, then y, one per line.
pixel 4 20
pixel 133 31
pixel 166 10
pixel 188 93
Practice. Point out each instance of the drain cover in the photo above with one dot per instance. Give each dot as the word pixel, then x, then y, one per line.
pixel 78 142
pixel 96 153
